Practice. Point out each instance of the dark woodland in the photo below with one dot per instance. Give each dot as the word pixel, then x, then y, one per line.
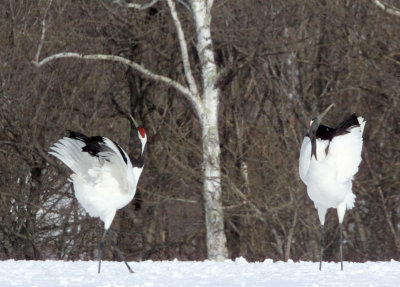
pixel 281 63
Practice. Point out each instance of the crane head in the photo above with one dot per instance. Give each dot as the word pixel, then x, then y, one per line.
pixel 312 131
pixel 314 123
pixel 142 132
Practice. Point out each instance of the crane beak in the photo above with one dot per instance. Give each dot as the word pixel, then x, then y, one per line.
pixel 325 112
pixel 318 120
pixel 133 121
pixel 313 130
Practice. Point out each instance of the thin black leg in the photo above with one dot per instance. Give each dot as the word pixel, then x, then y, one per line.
pixel 341 246
pixel 322 247
pixel 101 247
pixel 119 252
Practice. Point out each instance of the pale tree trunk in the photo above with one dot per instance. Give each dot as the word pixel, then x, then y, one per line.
pixel 216 239
pixel 205 103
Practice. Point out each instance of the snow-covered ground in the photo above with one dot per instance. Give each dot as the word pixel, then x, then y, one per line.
pixel 207 273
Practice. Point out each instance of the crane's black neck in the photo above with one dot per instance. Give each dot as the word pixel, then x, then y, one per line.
pixel 139 163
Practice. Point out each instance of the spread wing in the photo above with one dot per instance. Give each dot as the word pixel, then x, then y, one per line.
pixel 97 160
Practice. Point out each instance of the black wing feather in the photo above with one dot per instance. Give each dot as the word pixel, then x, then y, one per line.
pixel 94 145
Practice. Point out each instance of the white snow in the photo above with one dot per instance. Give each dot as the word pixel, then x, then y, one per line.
pixel 192 273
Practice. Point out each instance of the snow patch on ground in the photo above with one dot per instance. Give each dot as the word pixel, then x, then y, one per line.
pixel 193 273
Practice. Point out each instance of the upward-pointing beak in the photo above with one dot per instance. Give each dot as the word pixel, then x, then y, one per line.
pixel 313 130
pixel 314 126
pixel 133 121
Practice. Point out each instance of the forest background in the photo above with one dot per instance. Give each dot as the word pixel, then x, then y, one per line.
pixel 280 63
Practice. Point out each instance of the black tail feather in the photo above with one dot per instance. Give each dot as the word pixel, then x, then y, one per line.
pixel 345 126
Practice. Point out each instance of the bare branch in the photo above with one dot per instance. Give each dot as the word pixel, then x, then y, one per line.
pixel 186 5
pixel 183 46
pixel 258 213
pixel 191 93
pixel 389 10
pixel 193 98
pixel 144 6
pixel 209 5
pixel 43 32
pixel 41 40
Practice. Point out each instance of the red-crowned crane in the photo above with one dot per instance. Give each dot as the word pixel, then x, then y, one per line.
pixel 103 177
pixel 329 159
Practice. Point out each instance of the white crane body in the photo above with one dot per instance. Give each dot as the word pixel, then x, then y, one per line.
pixel 327 166
pixel 329 176
pixel 103 177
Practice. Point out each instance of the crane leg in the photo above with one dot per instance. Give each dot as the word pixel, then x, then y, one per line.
pixel 341 210
pixel 121 256
pixel 322 247
pixel 101 247
pixel 341 246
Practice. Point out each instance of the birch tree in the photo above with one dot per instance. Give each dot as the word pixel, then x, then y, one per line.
pixel 202 93
pixel 390 10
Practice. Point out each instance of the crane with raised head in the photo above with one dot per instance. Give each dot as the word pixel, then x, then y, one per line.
pixel 104 178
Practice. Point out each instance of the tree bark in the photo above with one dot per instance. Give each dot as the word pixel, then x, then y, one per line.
pixel 212 191
pixel 205 104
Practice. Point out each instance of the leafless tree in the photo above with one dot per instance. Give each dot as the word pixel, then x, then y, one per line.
pixel 205 103
pixel 278 64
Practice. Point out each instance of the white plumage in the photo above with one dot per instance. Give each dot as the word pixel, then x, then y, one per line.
pixel 329 178
pixel 104 178
pixel 329 171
